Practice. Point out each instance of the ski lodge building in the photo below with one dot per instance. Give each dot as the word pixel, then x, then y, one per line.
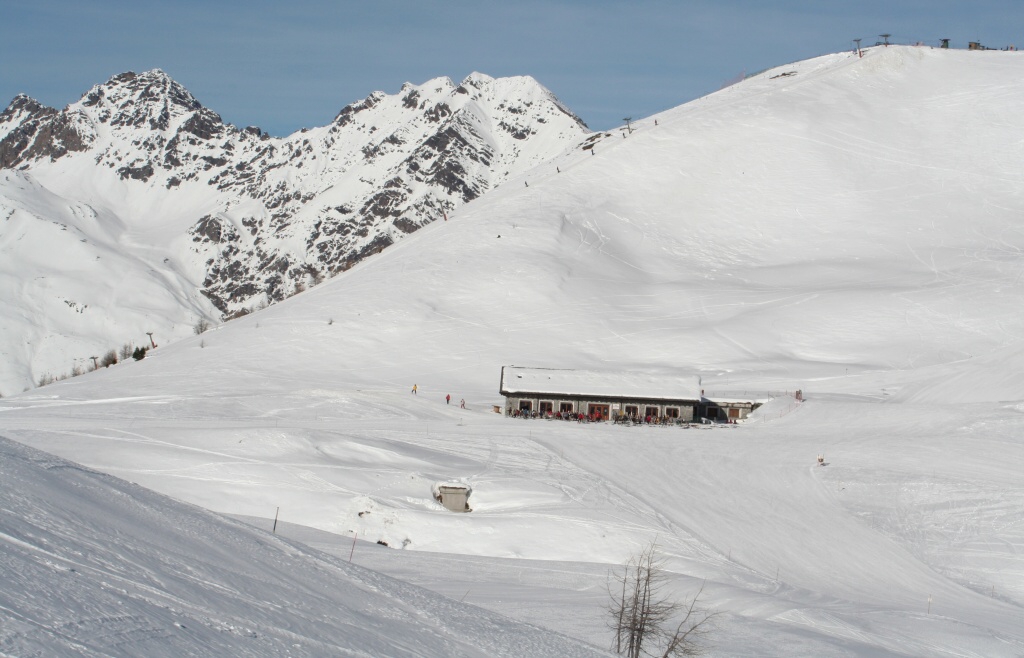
pixel 602 394
pixel 609 395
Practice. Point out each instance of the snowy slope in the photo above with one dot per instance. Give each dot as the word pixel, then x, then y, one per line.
pixel 232 219
pixel 72 290
pixel 849 227
pixel 96 566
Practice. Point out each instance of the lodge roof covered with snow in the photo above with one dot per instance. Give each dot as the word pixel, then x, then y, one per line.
pixel 597 384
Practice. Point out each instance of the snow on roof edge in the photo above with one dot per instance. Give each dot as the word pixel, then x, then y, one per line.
pixel 638 385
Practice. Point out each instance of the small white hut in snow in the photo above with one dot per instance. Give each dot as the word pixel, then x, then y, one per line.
pixel 595 394
pixel 453 495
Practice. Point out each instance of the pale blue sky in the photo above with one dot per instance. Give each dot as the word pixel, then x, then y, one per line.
pixel 287 64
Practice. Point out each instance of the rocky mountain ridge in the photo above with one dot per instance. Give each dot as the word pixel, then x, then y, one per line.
pixel 138 184
pixel 288 211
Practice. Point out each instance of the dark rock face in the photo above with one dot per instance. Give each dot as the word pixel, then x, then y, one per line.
pixel 349 111
pixel 210 229
pixel 405 225
pixel 406 161
pixel 204 125
pixel 517 132
pixel 39 132
pixel 143 173
pixel 30 108
pixel 438 112
pixel 411 100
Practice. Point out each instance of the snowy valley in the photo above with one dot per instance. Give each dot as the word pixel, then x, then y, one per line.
pixel 846 226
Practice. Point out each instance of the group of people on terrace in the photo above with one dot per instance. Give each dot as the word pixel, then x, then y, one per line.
pixel 579 417
pixel 594 417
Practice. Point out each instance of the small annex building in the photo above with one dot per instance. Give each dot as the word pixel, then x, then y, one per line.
pixel 726 410
pixel 604 395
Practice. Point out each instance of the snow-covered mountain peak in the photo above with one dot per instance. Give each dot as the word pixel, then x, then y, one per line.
pixel 22 104
pixel 345 116
pixel 131 123
pixel 442 84
pixel 150 86
pixel 477 79
pixel 252 219
pixel 150 101
pixel 22 109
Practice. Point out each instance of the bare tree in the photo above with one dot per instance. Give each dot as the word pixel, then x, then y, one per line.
pixel 109 359
pixel 646 620
pixel 201 326
pixel 126 351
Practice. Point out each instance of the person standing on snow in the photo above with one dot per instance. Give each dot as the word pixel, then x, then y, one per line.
pixel 448 399
pixel 414 389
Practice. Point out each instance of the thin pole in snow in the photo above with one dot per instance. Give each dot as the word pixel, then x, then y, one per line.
pixel 352 552
pixel 929 604
pixel 274 531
